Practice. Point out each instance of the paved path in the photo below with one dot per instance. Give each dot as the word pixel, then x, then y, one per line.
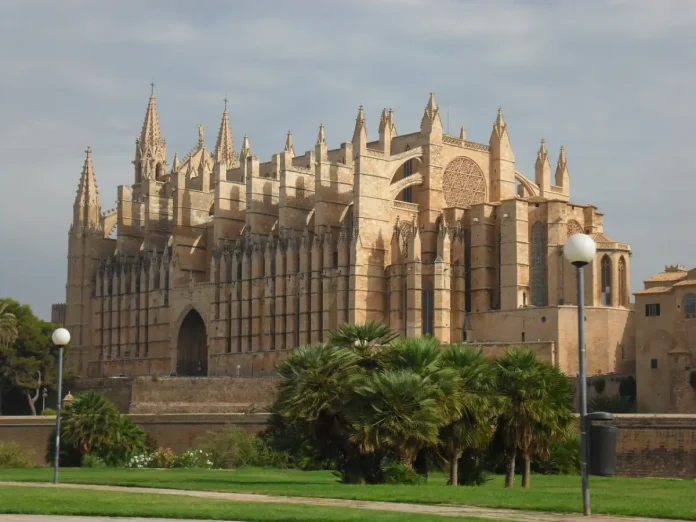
pixel 432 509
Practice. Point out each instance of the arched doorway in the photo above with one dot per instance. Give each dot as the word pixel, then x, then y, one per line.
pixel 192 346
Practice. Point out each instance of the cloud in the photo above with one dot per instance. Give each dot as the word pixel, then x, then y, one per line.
pixel 611 80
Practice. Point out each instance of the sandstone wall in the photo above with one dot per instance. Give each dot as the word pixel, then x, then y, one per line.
pixel 177 432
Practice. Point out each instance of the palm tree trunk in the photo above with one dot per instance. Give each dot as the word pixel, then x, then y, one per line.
pixel 527 473
pixel 454 468
pixel 510 472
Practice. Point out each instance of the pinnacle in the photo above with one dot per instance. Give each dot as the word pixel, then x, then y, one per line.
pixel 150 134
pixel 462 133
pixel 321 139
pixel 431 109
pixel 562 156
pixel 288 144
pixel 224 147
pixel 246 147
pixel 499 126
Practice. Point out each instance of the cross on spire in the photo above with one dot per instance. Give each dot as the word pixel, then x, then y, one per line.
pixel 225 100
pixel 152 88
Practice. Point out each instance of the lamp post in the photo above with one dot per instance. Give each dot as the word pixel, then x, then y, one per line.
pixel 60 337
pixel 44 394
pixel 580 250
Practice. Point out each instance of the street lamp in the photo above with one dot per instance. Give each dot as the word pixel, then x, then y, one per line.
pixel 580 250
pixel 60 337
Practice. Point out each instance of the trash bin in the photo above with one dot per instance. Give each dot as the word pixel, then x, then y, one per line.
pixel 602 444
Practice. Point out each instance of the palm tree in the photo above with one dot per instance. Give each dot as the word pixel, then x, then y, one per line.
pixel 400 414
pixel 90 422
pixel 314 395
pixel 524 405
pixel 365 339
pixel 558 423
pixel 8 325
pixel 474 427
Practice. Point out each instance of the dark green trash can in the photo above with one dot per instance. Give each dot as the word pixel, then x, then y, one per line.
pixel 602 444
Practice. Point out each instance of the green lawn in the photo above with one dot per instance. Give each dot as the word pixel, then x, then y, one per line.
pixel 618 496
pixel 51 501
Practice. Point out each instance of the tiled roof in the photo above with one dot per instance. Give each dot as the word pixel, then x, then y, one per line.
pixel 686 282
pixel 599 237
pixel 654 290
pixel 666 276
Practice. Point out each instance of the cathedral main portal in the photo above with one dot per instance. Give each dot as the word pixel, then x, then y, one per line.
pixel 192 346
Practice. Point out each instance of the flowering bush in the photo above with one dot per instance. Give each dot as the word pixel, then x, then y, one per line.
pixel 165 458
pixel 194 458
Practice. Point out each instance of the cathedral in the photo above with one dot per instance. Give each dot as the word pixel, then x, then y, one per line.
pixel 218 263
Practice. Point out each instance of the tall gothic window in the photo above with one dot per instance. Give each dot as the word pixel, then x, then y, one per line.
pixel 690 306
pixel 606 281
pixel 623 283
pixel 428 309
pixel 408 171
pixel 538 265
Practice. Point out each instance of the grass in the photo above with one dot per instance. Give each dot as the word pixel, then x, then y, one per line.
pixel 51 501
pixel 560 494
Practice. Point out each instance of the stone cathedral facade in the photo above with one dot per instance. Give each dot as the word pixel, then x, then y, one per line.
pixel 218 263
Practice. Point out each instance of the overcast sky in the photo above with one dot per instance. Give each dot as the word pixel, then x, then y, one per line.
pixel 613 81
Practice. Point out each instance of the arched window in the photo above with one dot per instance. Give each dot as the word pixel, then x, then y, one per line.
pixel 606 281
pixel 159 171
pixel 538 265
pixel 690 306
pixel 623 283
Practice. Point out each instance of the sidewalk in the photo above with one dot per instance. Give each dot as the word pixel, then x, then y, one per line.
pixel 432 509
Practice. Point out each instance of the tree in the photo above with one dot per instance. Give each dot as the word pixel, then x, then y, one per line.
pixel 29 362
pixel 522 405
pixel 474 427
pixel 8 324
pixel 367 340
pixel 400 413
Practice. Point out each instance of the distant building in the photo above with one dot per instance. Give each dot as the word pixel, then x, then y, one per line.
pixel 218 263
pixel 666 342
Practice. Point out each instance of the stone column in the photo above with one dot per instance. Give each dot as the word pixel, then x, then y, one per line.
pixel 441 288
pixel 458 286
pixel 304 290
pixel 514 244
pixel 414 285
pixel 482 262
pixel 268 321
pixel 291 297
pixel 316 307
pixel 236 304
pixel 342 276
pixel 245 315
pixel 280 296
pixel 328 295
pixel 257 285
pixel 556 233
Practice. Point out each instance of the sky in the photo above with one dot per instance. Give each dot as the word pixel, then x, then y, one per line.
pixel 612 81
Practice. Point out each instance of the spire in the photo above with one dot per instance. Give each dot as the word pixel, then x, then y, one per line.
pixel 542 169
pixel 224 147
pixel 150 153
pixel 562 176
pixel 499 127
pixel 462 134
pixel 288 144
pixel 87 209
pixel 246 148
pixel 321 139
pixel 150 134
pixel 360 132
pixel 431 122
pixel 175 163
pixel 201 136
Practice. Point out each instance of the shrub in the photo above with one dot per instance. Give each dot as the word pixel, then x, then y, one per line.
pixel 599 385
pixel 231 447
pixel 614 404
pixel 12 455
pixel 564 458
pixel 398 473
pixel 48 412
pixel 194 458
pixel 471 471
pixel 93 425
pixel 92 461
pixel 627 388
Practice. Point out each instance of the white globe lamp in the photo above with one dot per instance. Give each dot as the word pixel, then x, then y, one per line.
pixel 60 337
pixel 580 249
